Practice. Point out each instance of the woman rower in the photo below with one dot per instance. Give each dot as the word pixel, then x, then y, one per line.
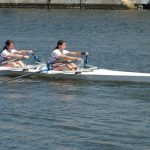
pixel 9 53
pixel 61 58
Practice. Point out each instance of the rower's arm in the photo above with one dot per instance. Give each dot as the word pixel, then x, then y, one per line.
pixel 24 52
pixel 16 56
pixel 74 53
pixel 69 57
pixel 78 53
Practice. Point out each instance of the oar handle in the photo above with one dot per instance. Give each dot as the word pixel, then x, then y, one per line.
pixel 36 58
pixel 85 60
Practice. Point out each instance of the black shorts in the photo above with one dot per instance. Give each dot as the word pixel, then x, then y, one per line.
pixel 52 60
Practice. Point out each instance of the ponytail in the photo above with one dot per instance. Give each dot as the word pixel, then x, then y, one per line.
pixel 7 43
pixel 4 48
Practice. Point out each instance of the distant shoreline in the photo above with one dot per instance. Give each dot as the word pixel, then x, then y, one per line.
pixel 49 5
pixel 63 6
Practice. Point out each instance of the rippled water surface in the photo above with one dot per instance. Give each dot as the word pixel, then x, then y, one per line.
pixel 40 114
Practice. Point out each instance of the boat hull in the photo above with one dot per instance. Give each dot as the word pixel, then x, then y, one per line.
pixel 95 75
pixel 100 75
pixel 4 71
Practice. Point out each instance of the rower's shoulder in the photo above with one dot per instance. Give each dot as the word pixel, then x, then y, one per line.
pixel 55 51
pixel 4 52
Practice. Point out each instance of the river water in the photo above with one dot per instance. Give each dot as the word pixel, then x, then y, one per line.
pixel 39 114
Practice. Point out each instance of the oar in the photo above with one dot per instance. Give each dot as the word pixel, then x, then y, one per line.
pixel 85 61
pixel 36 58
pixel 22 76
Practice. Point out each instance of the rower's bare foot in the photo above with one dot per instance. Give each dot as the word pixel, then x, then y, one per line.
pixel 73 70
pixel 17 66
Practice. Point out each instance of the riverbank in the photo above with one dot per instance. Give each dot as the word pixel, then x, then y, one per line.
pixel 66 4
pixel 62 6
pixel 73 4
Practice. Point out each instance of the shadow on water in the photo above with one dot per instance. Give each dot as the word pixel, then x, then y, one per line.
pixel 69 89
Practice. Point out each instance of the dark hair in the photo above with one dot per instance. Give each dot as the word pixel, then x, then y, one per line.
pixel 7 43
pixel 59 43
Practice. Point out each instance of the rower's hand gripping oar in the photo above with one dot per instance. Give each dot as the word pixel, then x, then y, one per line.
pixel 22 76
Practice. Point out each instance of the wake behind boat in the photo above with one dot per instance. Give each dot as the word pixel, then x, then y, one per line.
pixel 89 73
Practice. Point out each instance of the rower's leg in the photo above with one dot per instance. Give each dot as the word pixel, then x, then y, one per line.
pixel 73 66
pixel 57 64
pixel 60 68
pixel 13 65
pixel 69 66
pixel 21 64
